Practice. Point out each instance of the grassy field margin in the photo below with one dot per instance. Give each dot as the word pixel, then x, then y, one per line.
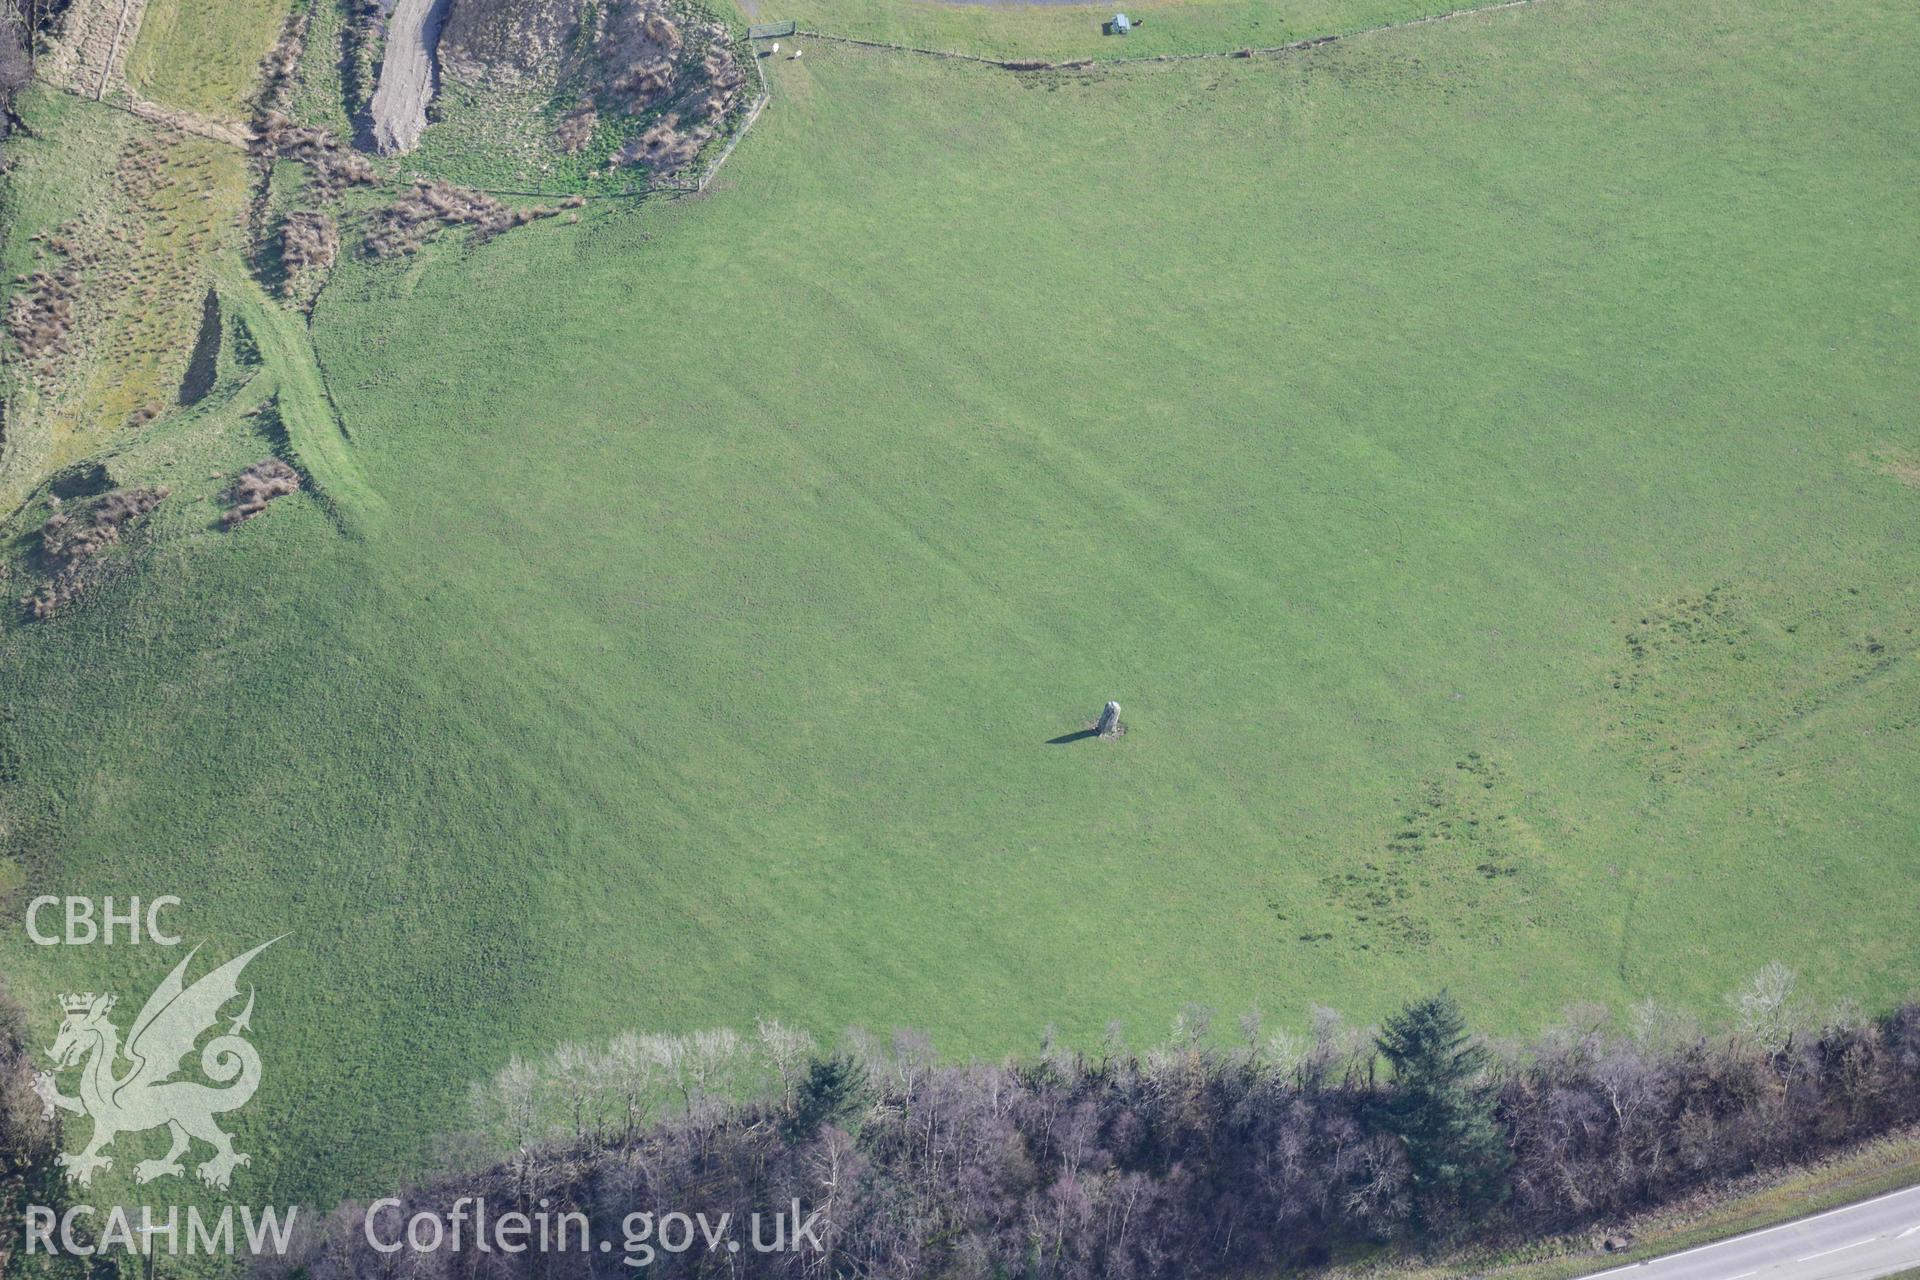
pixel 1072 31
pixel 1874 1168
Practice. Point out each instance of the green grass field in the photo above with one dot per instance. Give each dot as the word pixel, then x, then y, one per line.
pixel 1067 31
pixel 1463 450
pixel 204 57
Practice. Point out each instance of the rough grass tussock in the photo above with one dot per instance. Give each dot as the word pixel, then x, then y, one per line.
pixel 651 80
pixel 332 167
pixel 71 541
pixel 280 70
pixel 309 242
pixel 402 228
pixel 39 315
pixel 255 487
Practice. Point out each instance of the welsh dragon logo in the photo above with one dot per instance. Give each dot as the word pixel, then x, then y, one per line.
pixel 145 1094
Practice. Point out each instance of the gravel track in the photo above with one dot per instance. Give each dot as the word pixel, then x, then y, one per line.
pixel 406 75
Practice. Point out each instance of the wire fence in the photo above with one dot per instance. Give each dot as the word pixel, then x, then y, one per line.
pixel 770 30
pixel 1081 64
pixel 697 184
pixel 754 108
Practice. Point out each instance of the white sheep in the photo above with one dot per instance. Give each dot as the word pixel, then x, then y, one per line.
pixel 796 53
pixel 776 46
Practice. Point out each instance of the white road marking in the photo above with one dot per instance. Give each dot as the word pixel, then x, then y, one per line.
pixel 1909 1231
pixel 1842 1249
pixel 1743 1275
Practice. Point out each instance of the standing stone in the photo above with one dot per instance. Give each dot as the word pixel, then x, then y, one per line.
pixel 1109 726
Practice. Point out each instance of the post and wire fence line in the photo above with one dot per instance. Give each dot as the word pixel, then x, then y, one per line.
pixel 774 30
pixel 1250 51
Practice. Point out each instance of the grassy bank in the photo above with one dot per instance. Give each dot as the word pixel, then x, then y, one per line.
pixel 1873 1169
pixel 204 57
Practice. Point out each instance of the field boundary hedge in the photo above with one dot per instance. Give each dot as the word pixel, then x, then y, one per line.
pixel 1195 1158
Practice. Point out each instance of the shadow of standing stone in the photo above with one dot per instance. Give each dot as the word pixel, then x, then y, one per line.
pixel 204 364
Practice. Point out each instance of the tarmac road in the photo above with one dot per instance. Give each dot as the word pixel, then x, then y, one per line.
pixel 1875 1237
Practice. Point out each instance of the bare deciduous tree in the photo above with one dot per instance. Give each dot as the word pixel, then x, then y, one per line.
pixel 1192 1160
pixel 1768 1012
pixel 786 1050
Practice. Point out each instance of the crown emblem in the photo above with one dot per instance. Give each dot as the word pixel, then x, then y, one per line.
pixel 77 1004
